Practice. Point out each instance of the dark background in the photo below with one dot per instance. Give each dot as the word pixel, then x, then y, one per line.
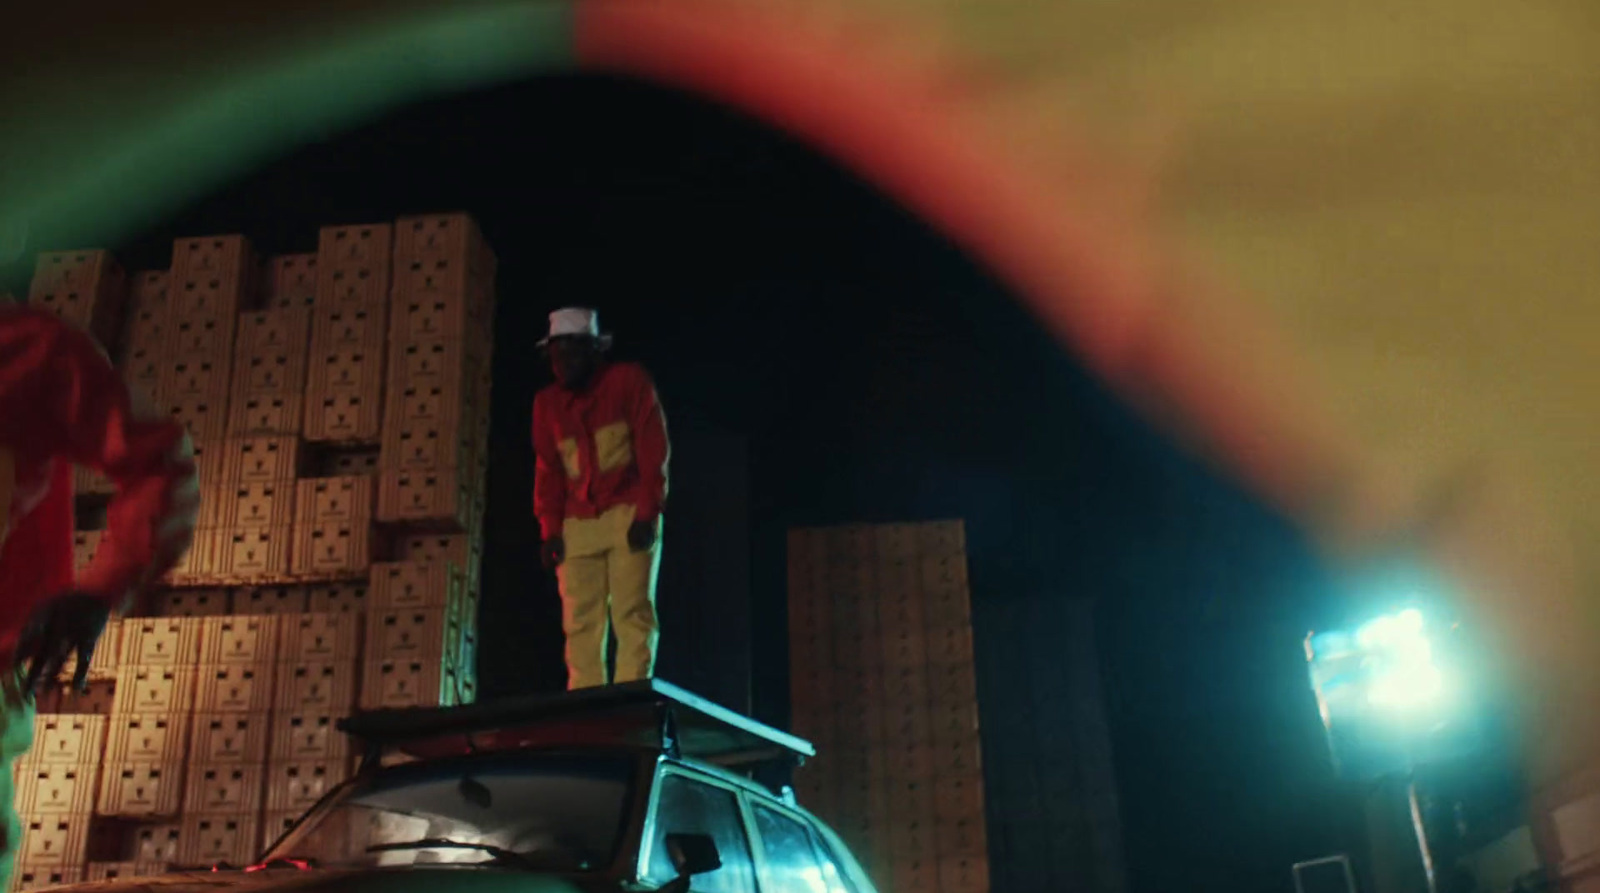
pixel 824 358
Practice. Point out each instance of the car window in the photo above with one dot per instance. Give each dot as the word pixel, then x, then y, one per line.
pixel 795 862
pixel 833 866
pixel 564 812
pixel 686 806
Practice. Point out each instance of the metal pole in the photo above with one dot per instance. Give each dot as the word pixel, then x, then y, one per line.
pixel 1421 829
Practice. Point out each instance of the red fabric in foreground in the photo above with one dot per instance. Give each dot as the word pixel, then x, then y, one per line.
pixel 1093 288
pixel 37 556
pixel 61 403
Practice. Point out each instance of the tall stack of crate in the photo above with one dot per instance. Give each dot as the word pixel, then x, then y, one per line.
pixel 86 288
pixel 461 557
pixel 308 590
pixel 146 330
pixel 252 508
pixel 349 322
pixel 334 534
pixel 211 282
pixel 414 636
pixel 179 349
pixel 436 426
pixel 270 371
pixel 149 723
pixel 316 680
pixel 289 281
pixel 883 681
pixel 225 783
pixel 55 795
pixel 435 444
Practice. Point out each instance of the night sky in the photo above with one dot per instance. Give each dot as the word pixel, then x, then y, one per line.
pixel 824 358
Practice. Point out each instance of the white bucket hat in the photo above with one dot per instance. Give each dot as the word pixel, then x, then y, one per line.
pixel 576 321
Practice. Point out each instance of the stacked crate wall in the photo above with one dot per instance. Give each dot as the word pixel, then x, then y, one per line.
pixel 884 682
pixel 338 405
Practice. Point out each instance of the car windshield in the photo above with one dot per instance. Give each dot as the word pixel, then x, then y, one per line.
pixel 560 812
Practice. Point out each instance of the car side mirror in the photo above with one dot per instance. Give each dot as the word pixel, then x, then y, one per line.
pixel 691 854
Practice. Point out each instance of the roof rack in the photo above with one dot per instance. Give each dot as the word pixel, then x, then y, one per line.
pixel 650 714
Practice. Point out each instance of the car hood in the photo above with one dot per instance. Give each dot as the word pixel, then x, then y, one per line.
pixel 429 879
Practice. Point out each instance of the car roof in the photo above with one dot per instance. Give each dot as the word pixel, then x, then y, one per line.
pixel 651 715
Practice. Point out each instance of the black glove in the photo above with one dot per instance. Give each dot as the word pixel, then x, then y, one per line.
pixel 67 623
pixel 552 552
pixel 641 535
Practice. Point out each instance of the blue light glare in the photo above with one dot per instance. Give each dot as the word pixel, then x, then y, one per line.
pixel 1397 659
pixel 1392 691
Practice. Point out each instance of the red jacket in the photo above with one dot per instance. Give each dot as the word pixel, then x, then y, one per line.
pixel 599 448
pixel 62 404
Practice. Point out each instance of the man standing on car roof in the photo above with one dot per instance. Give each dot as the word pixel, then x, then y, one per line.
pixel 600 481
pixel 62 404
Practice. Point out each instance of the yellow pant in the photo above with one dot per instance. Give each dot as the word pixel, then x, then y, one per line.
pixel 603 584
pixel 16 736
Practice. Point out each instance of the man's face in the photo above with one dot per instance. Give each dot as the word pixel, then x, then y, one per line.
pixel 574 360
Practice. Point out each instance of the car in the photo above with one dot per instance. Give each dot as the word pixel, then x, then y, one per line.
pixel 634 787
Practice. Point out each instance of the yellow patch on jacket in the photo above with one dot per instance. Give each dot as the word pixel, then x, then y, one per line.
pixel 613 446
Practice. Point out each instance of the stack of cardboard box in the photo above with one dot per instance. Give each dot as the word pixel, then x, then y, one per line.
pixel 883 681
pixel 339 406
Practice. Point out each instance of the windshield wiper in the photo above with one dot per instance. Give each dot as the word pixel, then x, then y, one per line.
pixel 296 862
pixel 430 843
